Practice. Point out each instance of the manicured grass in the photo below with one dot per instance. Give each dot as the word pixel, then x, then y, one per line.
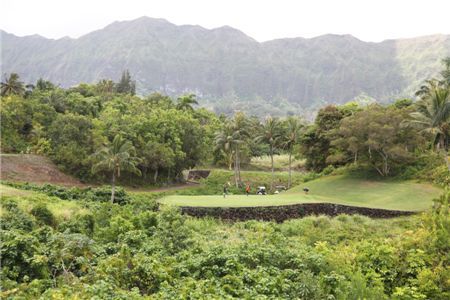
pixel 396 195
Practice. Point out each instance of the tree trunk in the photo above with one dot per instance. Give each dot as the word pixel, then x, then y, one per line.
pixel 155 177
pixel 290 169
pixel 113 186
pixel 386 167
pixel 441 148
pixel 271 160
pixel 239 164
pixel 446 160
pixel 236 168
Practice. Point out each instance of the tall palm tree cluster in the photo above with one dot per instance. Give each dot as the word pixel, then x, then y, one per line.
pixel 432 113
pixel 273 132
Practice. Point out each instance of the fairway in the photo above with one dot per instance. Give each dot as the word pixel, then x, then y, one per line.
pixel 395 195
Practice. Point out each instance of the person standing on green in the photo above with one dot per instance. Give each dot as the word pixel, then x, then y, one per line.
pixel 225 190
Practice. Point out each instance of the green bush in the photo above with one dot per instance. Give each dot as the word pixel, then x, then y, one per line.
pixel 132 251
pixel 100 194
pixel 15 218
pixel 43 215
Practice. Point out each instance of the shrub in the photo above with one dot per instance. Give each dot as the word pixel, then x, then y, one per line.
pixel 79 224
pixel 14 217
pixel 172 233
pixel 100 194
pixel 43 215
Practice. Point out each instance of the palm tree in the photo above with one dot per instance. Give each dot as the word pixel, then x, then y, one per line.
pixel 433 116
pixel 240 127
pixel 116 157
pixel 270 134
pixel 290 139
pixel 229 140
pixel 44 85
pixel 105 87
pixel 186 102
pixel 12 85
pixel 224 141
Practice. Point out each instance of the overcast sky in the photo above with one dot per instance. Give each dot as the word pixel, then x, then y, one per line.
pixel 263 20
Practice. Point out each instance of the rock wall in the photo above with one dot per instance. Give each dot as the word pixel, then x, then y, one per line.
pixel 286 212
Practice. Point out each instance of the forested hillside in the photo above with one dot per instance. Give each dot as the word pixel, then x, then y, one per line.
pixel 228 70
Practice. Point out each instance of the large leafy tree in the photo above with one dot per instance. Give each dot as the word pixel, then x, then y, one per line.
pixel 316 140
pixel 157 156
pixel 12 85
pixel 432 115
pixel 117 157
pixel 71 141
pixel 376 137
pixel 271 133
pixel 290 139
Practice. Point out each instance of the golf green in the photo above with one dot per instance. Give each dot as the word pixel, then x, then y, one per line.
pixel 395 195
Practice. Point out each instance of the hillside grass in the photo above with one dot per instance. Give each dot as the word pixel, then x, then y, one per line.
pixel 394 195
pixel 26 200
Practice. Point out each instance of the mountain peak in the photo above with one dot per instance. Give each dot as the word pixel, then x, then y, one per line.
pixel 149 20
pixel 224 63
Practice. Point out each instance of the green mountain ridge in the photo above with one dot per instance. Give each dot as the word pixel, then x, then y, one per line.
pixel 229 70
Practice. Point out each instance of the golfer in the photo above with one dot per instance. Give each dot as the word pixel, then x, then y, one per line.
pixel 225 190
pixel 247 189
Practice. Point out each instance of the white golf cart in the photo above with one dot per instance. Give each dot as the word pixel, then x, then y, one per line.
pixel 261 190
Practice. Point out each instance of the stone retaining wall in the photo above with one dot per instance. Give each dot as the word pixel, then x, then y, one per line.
pixel 286 212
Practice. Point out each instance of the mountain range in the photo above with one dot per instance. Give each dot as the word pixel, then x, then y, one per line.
pixel 229 70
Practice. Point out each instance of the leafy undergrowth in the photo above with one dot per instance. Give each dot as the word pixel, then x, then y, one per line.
pixel 133 251
pixel 281 163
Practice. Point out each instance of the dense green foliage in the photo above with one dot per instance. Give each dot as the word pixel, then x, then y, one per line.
pixel 79 127
pixel 131 251
pixel 100 194
pixel 388 139
pixel 71 125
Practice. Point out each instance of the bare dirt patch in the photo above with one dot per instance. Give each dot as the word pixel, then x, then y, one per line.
pixel 33 168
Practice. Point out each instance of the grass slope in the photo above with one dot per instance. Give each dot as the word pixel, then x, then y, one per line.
pixel 26 200
pixel 404 195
